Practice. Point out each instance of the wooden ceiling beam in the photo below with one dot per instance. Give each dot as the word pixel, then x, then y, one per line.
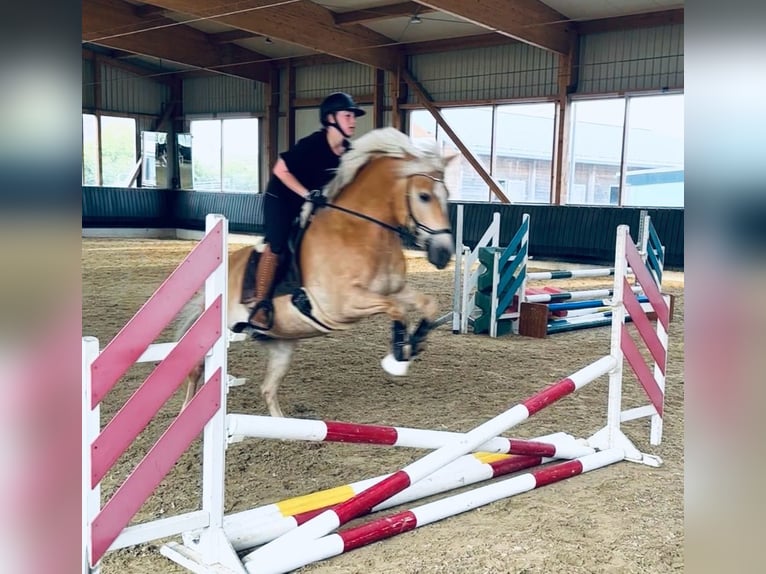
pixel 112 23
pixel 529 21
pixel 147 10
pixel 428 104
pixel 647 20
pixel 116 62
pixel 463 43
pixel 231 36
pixel 379 13
pixel 302 22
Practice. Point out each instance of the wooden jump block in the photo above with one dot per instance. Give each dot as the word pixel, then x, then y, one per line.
pixel 533 320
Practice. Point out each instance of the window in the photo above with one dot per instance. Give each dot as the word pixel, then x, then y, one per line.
pixel 654 152
pixel 118 151
pixel 651 174
pixel 524 150
pixel 596 150
pixel 224 155
pixel 90 171
pixel 154 159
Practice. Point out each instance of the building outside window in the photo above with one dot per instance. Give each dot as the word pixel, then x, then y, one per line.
pixel 224 154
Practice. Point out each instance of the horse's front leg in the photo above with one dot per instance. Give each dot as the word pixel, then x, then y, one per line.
pixel 426 307
pixel 404 348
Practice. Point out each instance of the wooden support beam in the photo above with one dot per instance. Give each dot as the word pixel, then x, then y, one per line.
pixel 147 10
pixel 375 13
pixel 529 21
pixel 567 82
pixel 421 94
pixel 272 121
pixel 463 43
pixel 290 22
pixel 112 23
pixel 290 115
pixel 231 36
pixel 379 98
pixel 166 115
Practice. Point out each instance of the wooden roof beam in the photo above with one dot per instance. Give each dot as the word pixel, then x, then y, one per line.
pixel 379 13
pixel 529 21
pixel 303 23
pixel 427 103
pixel 231 36
pixel 113 23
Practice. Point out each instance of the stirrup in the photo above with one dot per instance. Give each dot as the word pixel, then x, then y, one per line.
pixel 267 306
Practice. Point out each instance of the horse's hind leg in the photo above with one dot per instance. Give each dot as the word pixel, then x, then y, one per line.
pixel 280 357
pixel 192 382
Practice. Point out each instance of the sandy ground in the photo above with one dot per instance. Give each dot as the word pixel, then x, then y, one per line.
pixel 623 518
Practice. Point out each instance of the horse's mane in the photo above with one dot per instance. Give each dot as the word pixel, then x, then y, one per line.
pixel 385 142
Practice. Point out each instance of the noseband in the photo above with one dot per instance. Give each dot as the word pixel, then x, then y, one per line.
pixel 402 231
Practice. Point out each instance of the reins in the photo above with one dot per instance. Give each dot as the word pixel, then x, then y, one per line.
pixel 402 231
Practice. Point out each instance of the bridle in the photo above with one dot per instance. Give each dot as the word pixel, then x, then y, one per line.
pixel 402 230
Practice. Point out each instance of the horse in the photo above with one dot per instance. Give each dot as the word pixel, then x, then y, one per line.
pixel 386 191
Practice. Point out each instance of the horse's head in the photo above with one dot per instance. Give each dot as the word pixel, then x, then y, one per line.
pixel 418 172
pixel 428 218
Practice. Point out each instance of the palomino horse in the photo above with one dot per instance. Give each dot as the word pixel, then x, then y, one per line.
pixel 351 261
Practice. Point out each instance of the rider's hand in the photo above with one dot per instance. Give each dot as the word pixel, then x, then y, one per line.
pixel 316 197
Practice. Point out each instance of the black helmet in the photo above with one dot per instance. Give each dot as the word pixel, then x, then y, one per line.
pixel 338 102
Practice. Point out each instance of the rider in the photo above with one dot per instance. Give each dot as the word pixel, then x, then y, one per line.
pixel 306 167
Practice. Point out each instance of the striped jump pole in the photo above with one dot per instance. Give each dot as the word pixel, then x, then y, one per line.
pixel 586 321
pixel 570 274
pixel 328 546
pixel 257 426
pixel 587 304
pixel 256 526
pixel 251 528
pixel 573 295
pixel 331 519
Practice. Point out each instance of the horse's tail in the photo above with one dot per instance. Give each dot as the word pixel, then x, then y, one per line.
pixel 189 313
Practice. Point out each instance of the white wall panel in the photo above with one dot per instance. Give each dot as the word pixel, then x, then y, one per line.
pixel 125 92
pixel 319 81
pixel 632 60
pixel 498 72
pixel 223 94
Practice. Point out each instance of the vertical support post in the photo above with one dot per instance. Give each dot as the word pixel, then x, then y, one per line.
pixel 567 83
pixel 614 408
pixel 91 426
pixel 457 299
pixel 272 122
pixel 378 99
pixel 655 429
pixel 290 112
pixel 494 311
pixel 521 294
pixel 213 544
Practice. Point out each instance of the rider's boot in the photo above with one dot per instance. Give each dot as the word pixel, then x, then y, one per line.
pixel 262 314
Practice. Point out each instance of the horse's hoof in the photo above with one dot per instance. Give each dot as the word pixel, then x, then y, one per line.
pixel 394 367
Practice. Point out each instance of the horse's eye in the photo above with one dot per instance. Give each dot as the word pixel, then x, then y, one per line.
pixel 424 197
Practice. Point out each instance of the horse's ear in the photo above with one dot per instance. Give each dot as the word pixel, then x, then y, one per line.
pixel 452 158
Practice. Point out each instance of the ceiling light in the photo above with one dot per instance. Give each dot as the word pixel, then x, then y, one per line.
pixel 415 19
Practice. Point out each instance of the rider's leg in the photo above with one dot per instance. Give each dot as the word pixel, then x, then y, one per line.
pixel 262 315
pixel 279 212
